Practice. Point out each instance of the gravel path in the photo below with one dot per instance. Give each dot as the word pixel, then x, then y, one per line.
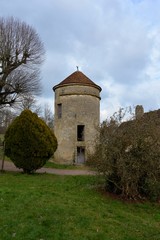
pixel 9 166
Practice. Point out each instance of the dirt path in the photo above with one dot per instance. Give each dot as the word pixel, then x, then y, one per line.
pixel 9 166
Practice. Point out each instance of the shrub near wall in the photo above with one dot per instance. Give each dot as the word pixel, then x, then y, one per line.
pixel 128 157
pixel 29 142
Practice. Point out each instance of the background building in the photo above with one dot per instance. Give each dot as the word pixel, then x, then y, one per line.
pixel 77 117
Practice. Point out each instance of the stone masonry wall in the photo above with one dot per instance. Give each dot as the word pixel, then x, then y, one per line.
pixel 80 106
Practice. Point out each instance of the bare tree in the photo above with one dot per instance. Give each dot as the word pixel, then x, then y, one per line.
pixel 21 53
pixel 6 117
pixel 29 102
pixel 48 116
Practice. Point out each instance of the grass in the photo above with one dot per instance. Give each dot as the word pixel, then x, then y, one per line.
pixel 50 164
pixel 44 207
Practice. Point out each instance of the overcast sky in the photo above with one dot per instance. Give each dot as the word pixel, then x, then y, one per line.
pixel 116 43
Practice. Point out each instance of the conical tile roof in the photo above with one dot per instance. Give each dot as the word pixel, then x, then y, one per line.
pixel 77 78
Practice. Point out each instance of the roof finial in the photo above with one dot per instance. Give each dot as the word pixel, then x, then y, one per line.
pixel 77 68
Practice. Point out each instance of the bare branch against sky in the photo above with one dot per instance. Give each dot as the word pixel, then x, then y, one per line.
pixel 21 53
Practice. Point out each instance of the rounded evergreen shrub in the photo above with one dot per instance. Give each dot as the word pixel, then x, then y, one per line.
pixel 29 142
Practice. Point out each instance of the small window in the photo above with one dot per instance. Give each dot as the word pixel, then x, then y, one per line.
pixel 80 133
pixel 59 110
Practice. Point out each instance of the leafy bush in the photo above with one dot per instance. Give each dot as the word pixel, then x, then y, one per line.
pixel 29 142
pixel 128 157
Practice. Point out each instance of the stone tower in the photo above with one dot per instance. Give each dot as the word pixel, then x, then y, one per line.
pixel 77 114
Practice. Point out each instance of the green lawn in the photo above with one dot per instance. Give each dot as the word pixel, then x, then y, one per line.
pixel 50 164
pixel 54 207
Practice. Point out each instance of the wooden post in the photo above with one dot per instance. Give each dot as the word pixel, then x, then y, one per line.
pixel 3 158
